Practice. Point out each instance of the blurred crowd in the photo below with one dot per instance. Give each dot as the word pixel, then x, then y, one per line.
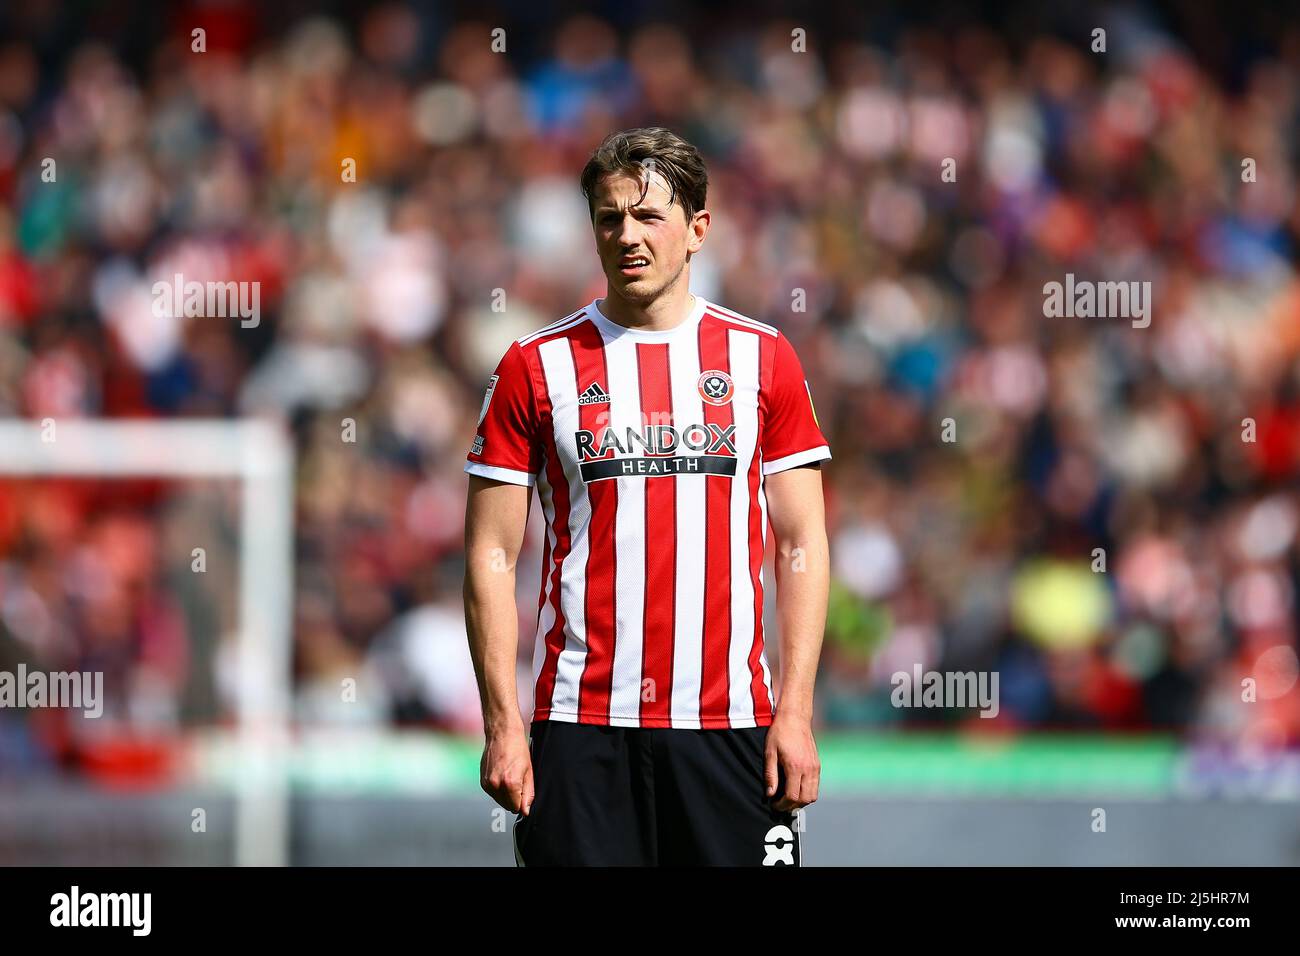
pixel 1106 516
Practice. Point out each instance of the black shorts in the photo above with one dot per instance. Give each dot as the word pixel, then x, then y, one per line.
pixel 626 796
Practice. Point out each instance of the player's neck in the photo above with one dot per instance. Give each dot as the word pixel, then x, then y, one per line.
pixel 666 312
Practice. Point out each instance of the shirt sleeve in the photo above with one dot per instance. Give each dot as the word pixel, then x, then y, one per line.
pixel 792 435
pixel 507 446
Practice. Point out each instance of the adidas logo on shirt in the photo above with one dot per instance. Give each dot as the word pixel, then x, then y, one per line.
pixel 593 394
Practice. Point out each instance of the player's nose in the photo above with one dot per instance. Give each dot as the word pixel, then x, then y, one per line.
pixel 629 235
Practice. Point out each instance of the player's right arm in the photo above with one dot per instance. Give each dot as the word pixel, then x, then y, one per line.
pixel 496 515
pixel 502 467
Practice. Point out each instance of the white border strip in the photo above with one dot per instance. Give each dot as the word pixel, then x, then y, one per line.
pixel 724 313
pixel 500 474
pixel 820 453
pixel 559 326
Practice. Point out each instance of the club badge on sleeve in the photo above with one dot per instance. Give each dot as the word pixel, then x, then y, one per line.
pixel 487 399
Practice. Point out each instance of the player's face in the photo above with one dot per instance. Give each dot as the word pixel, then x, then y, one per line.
pixel 643 243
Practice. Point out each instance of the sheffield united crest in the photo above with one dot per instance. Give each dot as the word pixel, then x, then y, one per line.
pixel 715 387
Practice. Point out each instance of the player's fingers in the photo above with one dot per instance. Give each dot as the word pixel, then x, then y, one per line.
pixel 808 788
pixel 515 783
pixel 500 787
pixel 790 797
pixel 769 770
pixel 529 791
pixel 487 781
pixel 499 790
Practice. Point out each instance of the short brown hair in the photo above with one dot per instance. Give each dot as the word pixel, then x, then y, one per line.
pixel 632 151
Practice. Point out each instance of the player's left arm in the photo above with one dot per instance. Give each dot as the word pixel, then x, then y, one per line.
pixel 796 510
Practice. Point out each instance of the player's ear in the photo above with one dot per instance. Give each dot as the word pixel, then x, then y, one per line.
pixel 699 226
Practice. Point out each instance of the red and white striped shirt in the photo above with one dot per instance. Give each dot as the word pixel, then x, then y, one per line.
pixel 649 452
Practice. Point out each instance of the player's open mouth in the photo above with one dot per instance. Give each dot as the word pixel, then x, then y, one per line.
pixel 634 266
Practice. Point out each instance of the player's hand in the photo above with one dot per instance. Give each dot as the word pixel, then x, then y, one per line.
pixel 790 746
pixel 506 771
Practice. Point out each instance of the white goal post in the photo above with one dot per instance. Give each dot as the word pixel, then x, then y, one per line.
pixel 260 456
